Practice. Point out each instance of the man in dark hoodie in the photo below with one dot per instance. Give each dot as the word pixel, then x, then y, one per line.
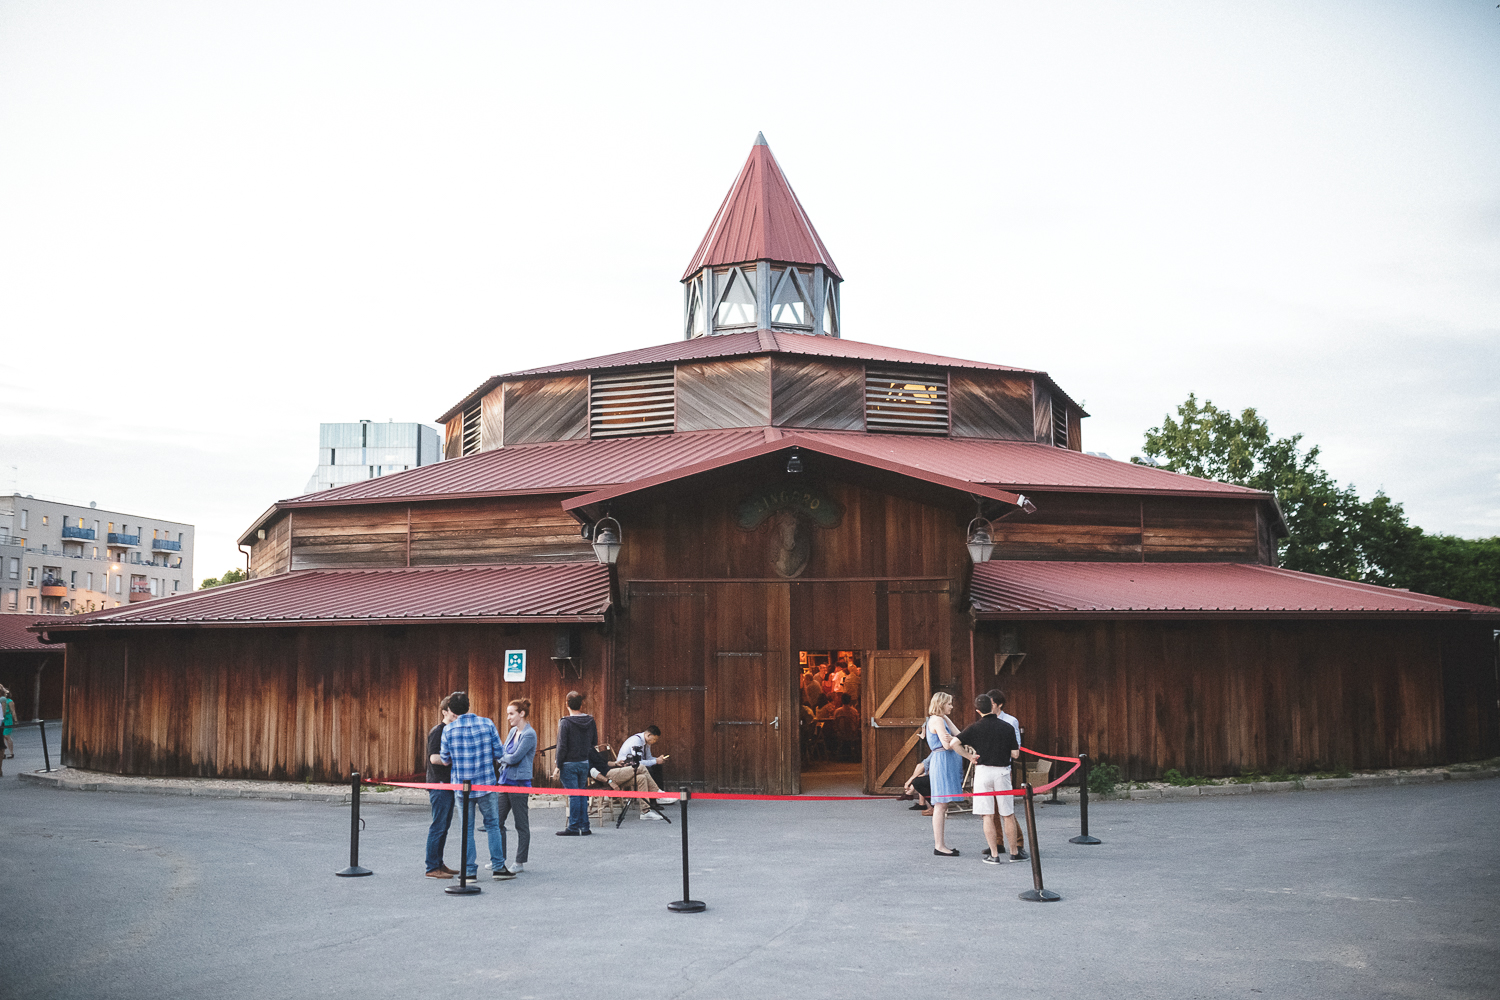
pixel 576 736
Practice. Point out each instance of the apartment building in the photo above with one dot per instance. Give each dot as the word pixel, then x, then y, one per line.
pixel 352 453
pixel 60 558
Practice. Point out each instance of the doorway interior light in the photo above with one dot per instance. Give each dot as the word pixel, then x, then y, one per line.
pixel 794 461
pixel 607 540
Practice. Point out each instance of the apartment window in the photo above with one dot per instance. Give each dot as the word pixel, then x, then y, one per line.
pixel 44 520
pixel 96 526
pixel 176 586
pixel 24 515
pixel 153 588
pixel 31 576
pixel 179 538
pixel 73 579
pixel 88 581
pixel 96 552
pixel 12 600
pixel 31 604
pixel 117 586
pixel 15 569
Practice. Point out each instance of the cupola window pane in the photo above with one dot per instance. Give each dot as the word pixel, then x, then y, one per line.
pixel 831 310
pixel 695 313
pixel 789 305
pixel 737 305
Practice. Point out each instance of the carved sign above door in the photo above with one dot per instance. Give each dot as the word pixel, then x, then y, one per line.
pixel 794 508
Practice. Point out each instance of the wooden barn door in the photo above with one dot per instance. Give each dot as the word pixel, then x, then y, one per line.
pixel 745 725
pixel 751 724
pixel 663 677
pixel 897 687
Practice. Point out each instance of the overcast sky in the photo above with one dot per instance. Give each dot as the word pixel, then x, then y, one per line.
pixel 221 224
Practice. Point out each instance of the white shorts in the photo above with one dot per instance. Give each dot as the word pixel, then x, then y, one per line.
pixel 992 779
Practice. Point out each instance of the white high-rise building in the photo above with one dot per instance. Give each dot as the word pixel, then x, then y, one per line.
pixel 350 453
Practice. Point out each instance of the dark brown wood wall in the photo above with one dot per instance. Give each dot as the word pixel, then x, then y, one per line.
pixel 19 674
pixel 522 529
pixel 1123 528
pixel 492 418
pixel 1221 698
pixel 296 703
pixel 724 394
pixel 453 436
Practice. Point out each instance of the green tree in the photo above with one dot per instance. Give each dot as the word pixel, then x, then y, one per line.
pixel 233 576
pixel 1332 531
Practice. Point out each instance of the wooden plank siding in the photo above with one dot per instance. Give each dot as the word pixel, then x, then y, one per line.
pixel 492 418
pixel 453 437
pixel 986 405
pixel 724 394
pixel 1220 698
pixel 292 704
pixel 821 395
pixel 349 537
pixel 1101 527
pixel 546 409
pixel 270 555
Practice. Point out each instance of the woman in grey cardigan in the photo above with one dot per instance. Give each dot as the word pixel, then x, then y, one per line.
pixel 514 765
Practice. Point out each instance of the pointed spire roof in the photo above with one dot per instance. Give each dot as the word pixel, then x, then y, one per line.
pixel 761 219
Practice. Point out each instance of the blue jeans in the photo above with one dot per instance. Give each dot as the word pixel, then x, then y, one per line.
pixel 484 805
pixel 575 774
pixel 437 833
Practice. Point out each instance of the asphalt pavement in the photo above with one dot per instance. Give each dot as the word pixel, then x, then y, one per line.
pixel 1361 893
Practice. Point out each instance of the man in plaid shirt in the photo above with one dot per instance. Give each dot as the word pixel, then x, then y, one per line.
pixel 470 745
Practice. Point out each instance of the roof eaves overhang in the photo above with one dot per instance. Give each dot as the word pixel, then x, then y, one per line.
pixel 457 408
pixel 74 630
pixel 1180 614
pixel 1145 491
pixel 786 442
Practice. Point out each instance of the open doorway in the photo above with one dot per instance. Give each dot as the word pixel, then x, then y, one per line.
pixel 830 684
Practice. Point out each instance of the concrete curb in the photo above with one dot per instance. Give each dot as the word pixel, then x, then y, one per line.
pixel 67 779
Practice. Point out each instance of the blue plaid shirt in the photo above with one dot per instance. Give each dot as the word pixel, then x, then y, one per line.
pixel 470 744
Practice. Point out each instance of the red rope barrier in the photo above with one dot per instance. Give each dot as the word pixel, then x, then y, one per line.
pixel 613 794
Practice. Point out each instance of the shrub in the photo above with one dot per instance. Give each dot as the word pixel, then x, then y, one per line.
pixel 1175 777
pixel 1103 778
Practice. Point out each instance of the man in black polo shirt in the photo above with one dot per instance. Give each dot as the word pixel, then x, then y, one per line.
pixel 995 747
pixel 441 801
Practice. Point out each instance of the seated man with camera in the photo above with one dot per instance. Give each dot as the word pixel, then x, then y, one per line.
pixel 624 775
pixel 638 748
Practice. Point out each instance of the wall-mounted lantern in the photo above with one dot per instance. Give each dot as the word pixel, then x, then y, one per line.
pixel 794 461
pixel 607 540
pixel 981 540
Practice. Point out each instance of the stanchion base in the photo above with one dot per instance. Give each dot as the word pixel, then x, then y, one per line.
pixel 687 906
pixel 1039 896
pixel 1084 840
pixel 354 871
pixel 462 890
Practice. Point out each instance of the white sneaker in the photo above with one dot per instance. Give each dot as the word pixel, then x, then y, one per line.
pixel 650 815
pixel 515 866
pixel 666 802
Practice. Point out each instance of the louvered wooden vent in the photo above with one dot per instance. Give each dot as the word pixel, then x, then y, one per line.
pixel 906 402
pixel 470 441
pixel 637 403
pixel 1059 422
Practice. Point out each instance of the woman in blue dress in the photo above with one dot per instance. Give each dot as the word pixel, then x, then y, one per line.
pixel 945 768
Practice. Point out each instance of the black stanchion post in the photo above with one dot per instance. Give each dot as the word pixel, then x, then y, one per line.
pixel 354 868
pixel 463 888
pixel 1037 894
pixel 1083 804
pixel 42 726
pixel 687 904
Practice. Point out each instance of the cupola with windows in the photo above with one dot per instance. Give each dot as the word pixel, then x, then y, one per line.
pixel 762 265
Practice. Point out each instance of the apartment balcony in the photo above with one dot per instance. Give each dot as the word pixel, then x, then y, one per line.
pixel 115 538
pixel 140 593
pixel 77 534
pixel 165 545
pixel 53 587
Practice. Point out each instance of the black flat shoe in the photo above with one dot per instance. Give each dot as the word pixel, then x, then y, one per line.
pixel 917 806
pixel 567 833
pixel 946 854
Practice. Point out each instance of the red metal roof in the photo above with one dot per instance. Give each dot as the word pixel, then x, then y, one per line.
pixel 747 344
pixel 1005 589
pixel 761 219
pixel 15 637
pixel 540 592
